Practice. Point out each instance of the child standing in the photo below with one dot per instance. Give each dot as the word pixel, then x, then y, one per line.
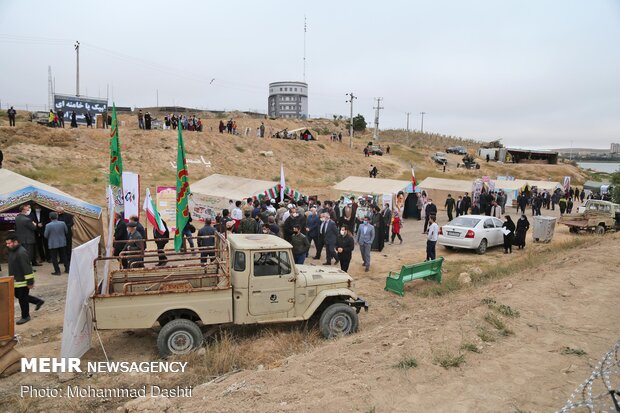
pixel 396 225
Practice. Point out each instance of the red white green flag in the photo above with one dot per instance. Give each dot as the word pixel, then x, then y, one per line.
pixel 412 179
pixel 152 215
pixel 183 192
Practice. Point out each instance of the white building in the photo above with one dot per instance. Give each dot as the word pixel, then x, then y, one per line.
pixel 288 100
pixel 615 148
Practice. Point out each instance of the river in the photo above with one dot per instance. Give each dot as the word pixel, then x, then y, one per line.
pixel 608 167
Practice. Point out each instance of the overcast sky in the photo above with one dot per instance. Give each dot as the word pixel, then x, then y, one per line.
pixel 535 73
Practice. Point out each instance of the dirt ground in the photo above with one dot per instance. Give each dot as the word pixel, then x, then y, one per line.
pixel 567 302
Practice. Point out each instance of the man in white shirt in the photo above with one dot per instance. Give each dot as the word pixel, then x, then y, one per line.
pixel 431 239
pixel 237 214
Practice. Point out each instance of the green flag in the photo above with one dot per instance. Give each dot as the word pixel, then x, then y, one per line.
pixel 116 161
pixel 183 192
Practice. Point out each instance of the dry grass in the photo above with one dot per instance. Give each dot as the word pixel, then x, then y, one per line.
pixel 407 363
pixel 448 360
pixel 572 351
pixel 485 335
pixel 471 347
pixel 498 324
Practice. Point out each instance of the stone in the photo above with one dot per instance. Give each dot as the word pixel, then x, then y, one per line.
pixel 508 286
pixel 476 270
pixel 464 278
pixel 148 404
pixel 268 154
pixel 201 351
pixel 260 367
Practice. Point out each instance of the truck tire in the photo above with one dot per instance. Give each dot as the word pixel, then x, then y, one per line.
pixel 179 336
pixel 599 230
pixel 482 248
pixel 338 320
pixel 573 230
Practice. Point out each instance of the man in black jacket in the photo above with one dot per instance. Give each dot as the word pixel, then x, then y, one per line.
pixel 161 240
pixel 120 233
pixel 449 206
pixel 21 270
pixel 431 209
pixel 40 217
pixel 329 231
pixel 25 231
pixel 466 204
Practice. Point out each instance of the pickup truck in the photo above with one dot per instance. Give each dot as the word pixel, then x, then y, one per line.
pixel 597 216
pixel 241 279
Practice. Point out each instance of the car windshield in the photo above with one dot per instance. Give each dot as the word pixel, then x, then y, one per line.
pixel 465 222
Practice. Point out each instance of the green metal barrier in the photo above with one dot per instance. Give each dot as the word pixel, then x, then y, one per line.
pixel 395 281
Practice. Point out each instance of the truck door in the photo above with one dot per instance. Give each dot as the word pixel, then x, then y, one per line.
pixel 271 289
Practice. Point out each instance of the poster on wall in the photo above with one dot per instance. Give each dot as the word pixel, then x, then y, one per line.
pixel 203 206
pixel 166 200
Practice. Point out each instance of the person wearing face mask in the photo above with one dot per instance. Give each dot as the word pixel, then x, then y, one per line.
pixel 329 231
pixel 293 219
pixel 300 244
pixel 345 244
pixel 25 231
pixel 40 217
pixel 523 225
pixel 508 238
pixel 365 236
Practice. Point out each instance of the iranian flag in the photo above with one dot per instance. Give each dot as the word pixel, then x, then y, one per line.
pixel 152 214
pixel 412 179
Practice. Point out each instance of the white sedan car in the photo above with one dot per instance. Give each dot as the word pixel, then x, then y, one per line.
pixel 475 232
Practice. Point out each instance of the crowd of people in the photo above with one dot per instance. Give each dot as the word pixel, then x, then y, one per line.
pixel 40 235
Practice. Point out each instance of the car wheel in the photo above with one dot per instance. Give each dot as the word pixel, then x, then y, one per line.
pixel 179 336
pixel 600 230
pixel 338 320
pixel 482 248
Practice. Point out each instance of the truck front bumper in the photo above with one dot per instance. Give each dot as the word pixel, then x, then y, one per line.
pixel 358 304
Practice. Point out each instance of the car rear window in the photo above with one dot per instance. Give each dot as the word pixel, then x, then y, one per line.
pixel 464 222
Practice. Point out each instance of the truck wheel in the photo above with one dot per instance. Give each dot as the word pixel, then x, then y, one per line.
pixel 338 320
pixel 179 336
pixel 482 248
pixel 574 230
pixel 600 230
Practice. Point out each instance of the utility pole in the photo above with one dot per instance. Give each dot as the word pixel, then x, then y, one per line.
pixel 571 151
pixel 77 72
pixel 375 135
pixel 422 124
pixel 50 88
pixel 408 113
pixel 351 97
pixel 157 91
pixel 305 29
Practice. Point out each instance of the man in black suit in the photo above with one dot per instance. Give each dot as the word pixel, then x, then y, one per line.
pixel 466 204
pixel 430 210
pixel 450 206
pixel 25 231
pixel 120 233
pixel 67 218
pixel 329 231
pixel 40 217
pixel 459 206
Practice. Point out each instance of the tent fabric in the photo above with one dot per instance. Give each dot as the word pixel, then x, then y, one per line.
pixel 231 187
pixel 362 185
pixel 438 189
pixel 16 189
pixel 213 193
pixel 594 185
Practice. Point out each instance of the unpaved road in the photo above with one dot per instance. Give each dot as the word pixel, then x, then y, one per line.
pixel 569 301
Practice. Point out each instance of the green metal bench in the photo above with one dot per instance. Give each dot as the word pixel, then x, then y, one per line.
pixel 395 281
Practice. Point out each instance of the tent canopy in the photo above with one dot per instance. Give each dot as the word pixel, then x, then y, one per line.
pixel 16 189
pixel 362 185
pixel 438 189
pixel 517 184
pixel 213 193
pixel 231 187
pixel 594 185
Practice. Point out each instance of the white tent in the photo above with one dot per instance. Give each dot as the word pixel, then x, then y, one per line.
pixel 16 189
pixel 438 188
pixel 389 191
pixel 213 193
pixel 512 188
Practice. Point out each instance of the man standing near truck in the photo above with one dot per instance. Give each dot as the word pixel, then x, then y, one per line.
pixel 300 244
pixel 20 269
pixel 135 246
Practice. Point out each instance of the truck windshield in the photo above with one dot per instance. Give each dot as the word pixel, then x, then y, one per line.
pixel 271 263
